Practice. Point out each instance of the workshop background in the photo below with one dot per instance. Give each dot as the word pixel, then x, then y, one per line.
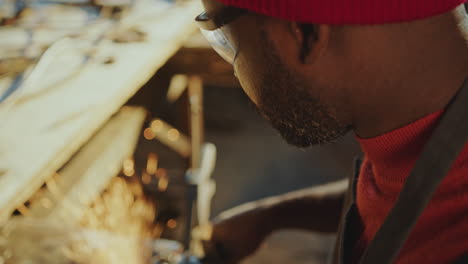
pixel 114 117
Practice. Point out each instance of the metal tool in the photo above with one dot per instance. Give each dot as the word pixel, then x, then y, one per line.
pixel 171 252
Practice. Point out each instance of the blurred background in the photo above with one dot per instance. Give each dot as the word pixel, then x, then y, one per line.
pixel 118 121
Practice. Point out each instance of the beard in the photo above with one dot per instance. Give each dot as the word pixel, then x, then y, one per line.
pixel 286 102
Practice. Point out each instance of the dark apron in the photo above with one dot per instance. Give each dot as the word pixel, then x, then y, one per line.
pixel 439 154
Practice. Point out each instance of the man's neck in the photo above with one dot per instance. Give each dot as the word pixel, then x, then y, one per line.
pixel 420 71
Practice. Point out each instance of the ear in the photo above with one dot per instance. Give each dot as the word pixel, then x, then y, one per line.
pixel 312 40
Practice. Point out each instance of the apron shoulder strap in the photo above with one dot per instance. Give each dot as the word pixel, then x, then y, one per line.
pixel 462 260
pixel 436 160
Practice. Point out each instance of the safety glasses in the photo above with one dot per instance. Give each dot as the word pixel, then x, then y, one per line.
pixel 213 27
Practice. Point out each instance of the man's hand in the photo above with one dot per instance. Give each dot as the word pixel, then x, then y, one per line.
pixel 238 233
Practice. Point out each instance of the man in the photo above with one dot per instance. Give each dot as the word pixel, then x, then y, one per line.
pixel 387 70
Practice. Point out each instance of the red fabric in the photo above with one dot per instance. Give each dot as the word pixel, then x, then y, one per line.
pixel 441 234
pixel 348 11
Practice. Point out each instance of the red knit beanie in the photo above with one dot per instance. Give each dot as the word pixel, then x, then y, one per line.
pixel 348 11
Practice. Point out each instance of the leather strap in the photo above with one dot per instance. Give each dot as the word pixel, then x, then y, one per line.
pixel 436 160
pixel 462 260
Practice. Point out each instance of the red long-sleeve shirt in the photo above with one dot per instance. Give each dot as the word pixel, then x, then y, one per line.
pixel 441 234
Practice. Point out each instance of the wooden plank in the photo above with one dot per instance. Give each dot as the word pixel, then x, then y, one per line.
pixel 91 169
pixel 195 99
pixel 171 137
pixel 38 135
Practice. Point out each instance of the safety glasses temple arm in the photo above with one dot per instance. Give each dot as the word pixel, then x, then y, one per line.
pixel 226 16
